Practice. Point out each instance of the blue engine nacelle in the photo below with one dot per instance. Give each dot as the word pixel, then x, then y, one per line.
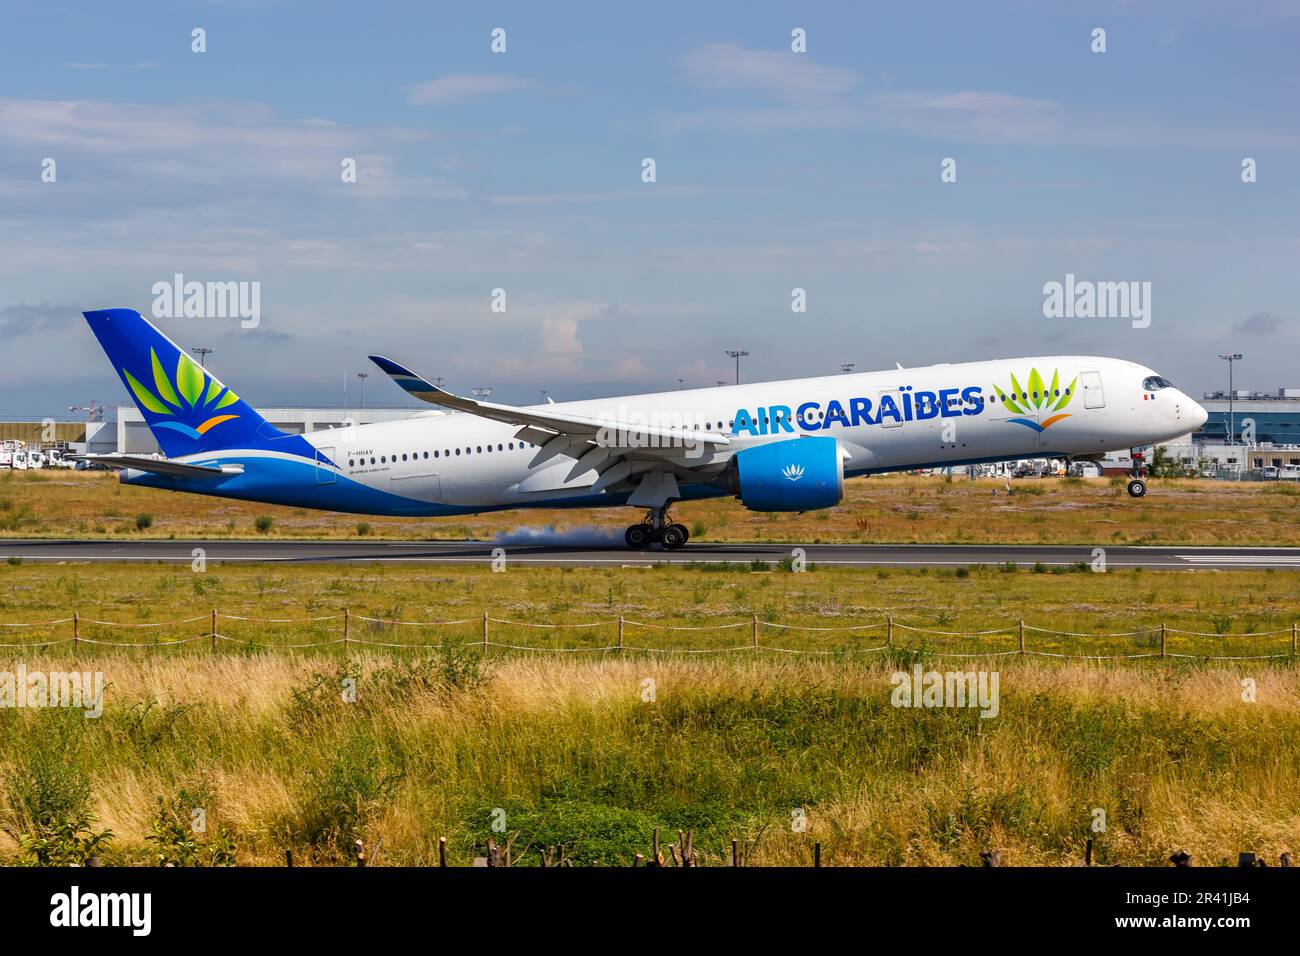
pixel 798 474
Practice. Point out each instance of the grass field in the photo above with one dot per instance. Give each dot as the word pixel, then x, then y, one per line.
pixel 887 509
pixel 576 754
pixel 734 745
pixel 718 601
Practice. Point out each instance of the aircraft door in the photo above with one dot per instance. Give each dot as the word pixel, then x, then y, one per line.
pixel 324 473
pixel 1093 395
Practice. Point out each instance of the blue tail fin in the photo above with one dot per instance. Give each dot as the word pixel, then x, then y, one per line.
pixel 186 408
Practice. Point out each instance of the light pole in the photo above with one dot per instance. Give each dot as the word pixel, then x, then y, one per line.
pixel 482 391
pixel 847 367
pixel 363 376
pixel 1232 422
pixel 203 354
pixel 737 354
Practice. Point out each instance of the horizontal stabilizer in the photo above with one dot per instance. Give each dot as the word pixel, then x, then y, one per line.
pixel 163 466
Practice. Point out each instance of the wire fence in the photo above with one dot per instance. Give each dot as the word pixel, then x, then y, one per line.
pixel 865 638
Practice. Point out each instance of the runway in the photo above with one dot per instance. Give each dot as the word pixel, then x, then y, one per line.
pixel 595 554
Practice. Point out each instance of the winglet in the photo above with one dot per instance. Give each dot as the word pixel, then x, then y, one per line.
pixel 413 384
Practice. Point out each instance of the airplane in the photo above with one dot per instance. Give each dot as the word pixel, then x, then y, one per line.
pixel 784 446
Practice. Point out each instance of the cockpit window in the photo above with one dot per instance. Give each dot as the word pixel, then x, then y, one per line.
pixel 1155 383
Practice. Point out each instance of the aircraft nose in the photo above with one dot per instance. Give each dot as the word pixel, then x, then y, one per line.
pixel 1199 415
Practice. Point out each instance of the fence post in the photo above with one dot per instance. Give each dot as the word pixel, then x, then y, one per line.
pixel 1293 638
pixel 754 636
pixel 1022 638
pixel 485 632
pixel 1163 636
pixel 620 632
pixel 346 622
pixel 212 628
pixel 76 633
pixel 889 631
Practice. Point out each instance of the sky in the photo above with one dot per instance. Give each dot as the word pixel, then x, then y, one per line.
pixel 522 171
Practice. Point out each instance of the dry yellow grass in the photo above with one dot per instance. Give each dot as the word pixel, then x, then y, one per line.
pixel 575 754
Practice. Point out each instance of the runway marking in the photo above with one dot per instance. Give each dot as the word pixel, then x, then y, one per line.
pixel 647 562
pixel 1273 559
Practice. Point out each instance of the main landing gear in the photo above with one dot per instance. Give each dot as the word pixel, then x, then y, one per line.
pixel 655 527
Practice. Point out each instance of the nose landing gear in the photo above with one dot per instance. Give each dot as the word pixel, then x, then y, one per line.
pixel 655 527
pixel 1137 485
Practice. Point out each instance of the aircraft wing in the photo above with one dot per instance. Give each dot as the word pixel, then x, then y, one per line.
pixel 614 449
pixel 163 466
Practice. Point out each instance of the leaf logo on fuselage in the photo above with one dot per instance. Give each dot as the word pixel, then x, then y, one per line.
pixel 1034 396
pixel 187 399
pixel 793 472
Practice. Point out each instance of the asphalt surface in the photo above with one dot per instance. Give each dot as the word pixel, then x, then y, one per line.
pixel 591 551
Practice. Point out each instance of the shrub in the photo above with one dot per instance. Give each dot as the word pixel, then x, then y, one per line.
pixel 263 523
pixel 177 840
pixel 47 797
pixel 343 797
pixel 143 521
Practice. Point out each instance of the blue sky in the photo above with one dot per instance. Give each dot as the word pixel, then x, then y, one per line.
pixel 521 171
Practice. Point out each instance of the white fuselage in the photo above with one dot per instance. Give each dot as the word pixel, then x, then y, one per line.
pixel 884 421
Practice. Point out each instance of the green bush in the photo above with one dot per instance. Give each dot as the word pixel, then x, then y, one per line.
pixel 178 843
pixel 47 796
pixel 341 798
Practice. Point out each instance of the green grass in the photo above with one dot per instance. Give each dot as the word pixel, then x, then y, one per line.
pixel 310 749
pixel 572 753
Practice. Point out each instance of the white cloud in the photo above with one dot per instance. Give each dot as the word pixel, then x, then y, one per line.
pixel 730 66
pixel 560 336
pixel 457 87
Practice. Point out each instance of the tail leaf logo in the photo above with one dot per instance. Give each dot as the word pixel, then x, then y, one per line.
pixel 793 472
pixel 1037 398
pixel 190 394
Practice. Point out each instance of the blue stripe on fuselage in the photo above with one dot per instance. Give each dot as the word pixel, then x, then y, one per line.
pixel 293 482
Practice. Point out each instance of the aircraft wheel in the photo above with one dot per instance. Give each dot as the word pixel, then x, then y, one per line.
pixel 673 537
pixel 1137 487
pixel 686 535
pixel 637 536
